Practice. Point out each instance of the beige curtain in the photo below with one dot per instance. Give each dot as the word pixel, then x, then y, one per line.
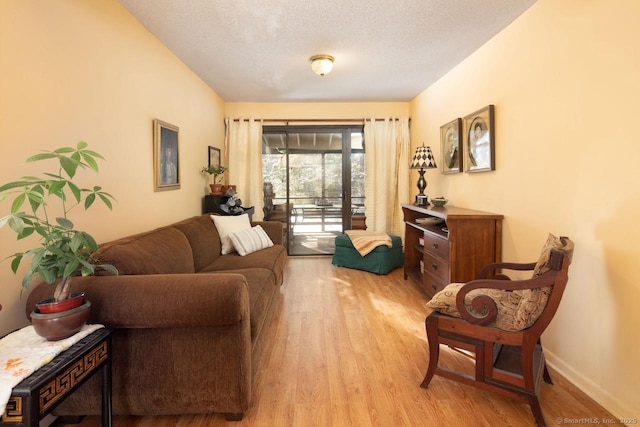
pixel 243 146
pixel 387 158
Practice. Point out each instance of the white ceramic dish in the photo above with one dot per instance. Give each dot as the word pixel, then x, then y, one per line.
pixel 429 221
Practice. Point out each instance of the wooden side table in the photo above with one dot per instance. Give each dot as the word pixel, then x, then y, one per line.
pixel 36 396
pixel 211 204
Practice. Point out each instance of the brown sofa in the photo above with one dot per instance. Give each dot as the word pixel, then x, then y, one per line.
pixel 190 324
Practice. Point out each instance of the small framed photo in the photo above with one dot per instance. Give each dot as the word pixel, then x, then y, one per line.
pixel 214 156
pixel 166 161
pixel 451 146
pixel 479 140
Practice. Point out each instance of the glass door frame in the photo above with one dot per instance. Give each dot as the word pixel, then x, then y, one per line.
pixel 346 151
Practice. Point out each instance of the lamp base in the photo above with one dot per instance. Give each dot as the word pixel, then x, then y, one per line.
pixel 422 200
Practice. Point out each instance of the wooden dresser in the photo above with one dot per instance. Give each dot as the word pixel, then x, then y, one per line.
pixel 453 250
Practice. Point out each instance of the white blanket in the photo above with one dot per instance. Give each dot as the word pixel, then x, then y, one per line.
pixel 366 241
pixel 22 352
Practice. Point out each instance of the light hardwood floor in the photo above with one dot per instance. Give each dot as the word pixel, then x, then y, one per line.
pixel 348 348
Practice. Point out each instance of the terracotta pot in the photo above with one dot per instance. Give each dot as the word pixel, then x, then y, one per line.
pixel 52 306
pixel 226 188
pixel 216 189
pixel 58 326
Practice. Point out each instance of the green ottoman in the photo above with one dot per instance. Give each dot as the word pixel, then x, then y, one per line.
pixel 381 260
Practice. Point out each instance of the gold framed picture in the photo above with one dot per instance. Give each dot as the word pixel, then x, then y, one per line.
pixel 451 146
pixel 479 140
pixel 166 160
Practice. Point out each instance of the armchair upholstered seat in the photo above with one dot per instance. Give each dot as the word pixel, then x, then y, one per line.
pixel 501 320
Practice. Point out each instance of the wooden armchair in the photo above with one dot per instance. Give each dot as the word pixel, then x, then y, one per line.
pixel 508 362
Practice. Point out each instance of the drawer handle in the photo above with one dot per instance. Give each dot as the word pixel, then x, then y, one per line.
pixel 435 246
pixel 434 286
pixel 434 266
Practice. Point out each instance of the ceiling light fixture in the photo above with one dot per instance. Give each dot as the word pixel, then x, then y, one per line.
pixel 321 64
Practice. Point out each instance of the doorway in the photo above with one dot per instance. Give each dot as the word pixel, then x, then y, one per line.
pixel 314 183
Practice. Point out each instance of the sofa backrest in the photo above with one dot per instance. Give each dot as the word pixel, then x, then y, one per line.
pixel 165 250
pixel 204 239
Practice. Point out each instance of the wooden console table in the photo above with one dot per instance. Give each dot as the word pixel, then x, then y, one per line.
pixel 452 251
pixel 37 395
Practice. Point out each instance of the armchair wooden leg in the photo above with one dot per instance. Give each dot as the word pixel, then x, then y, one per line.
pixel 537 411
pixel 546 376
pixel 431 325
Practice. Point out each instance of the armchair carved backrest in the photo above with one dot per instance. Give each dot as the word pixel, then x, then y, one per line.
pixel 498 318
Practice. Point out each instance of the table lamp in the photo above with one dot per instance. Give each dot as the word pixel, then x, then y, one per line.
pixel 422 159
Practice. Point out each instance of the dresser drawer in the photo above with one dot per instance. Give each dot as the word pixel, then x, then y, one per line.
pixel 432 284
pixel 436 267
pixel 436 245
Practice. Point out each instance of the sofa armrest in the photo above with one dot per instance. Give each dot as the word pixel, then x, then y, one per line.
pixel 160 300
pixel 273 230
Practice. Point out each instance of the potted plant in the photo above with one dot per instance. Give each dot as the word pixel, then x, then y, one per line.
pixel 63 251
pixel 216 171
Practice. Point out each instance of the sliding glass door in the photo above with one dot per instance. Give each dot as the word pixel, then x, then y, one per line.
pixel 314 183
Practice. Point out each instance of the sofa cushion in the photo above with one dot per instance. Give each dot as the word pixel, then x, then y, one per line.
pixel 162 251
pixel 249 241
pixel 229 224
pixel 203 238
pixel 273 259
pixel 506 302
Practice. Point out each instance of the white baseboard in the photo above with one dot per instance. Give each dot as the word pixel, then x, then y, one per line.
pixel 610 403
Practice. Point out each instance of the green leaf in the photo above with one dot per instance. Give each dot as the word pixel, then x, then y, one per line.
pixel 76 242
pixel 75 190
pixel 105 200
pixel 26 232
pixel 71 268
pixel 55 187
pixel 69 166
pixel 90 242
pixel 65 150
pixel 93 154
pixel 17 203
pixel 41 156
pixel 64 223
pixel 17 258
pixel 90 161
pixel 110 268
pixel 16 224
pixel 15 184
pixel 89 200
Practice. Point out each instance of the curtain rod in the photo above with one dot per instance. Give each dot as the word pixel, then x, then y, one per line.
pixel 317 120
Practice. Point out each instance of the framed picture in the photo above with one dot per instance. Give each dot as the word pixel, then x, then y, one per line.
pixel 166 161
pixel 479 141
pixel 451 146
pixel 214 156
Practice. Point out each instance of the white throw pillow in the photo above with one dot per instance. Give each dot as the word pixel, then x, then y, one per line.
pixel 227 225
pixel 249 241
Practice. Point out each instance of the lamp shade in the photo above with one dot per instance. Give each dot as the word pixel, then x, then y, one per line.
pixel 423 159
pixel 321 64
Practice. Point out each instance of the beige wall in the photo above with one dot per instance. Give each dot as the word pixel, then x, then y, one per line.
pixel 75 70
pixel 565 85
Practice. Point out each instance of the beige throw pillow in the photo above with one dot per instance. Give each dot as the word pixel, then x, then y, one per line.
pixel 227 225
pixel 251 240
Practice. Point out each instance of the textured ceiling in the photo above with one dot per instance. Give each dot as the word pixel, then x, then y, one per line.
pixel 258 51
